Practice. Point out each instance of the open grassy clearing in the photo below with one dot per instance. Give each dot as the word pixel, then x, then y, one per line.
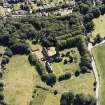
pixel 81 84
pixel 99 55
pixel 99 26
pixel 45 97
pixel 20 79
pixel 60 68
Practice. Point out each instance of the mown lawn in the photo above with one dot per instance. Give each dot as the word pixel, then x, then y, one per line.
pixel 20 79
pixel 99 55
pixel 99 26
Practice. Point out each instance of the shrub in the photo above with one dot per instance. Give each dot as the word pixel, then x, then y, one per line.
pixel 20 48
pixel 58 59
pixel 67 54
pixel 1 84
pixel 65 61
pixel 1 96
pixel 77 73
pixel 1 74
pixel 5 60
pixel 8 52
pixel 44 77
pixel 32 59
pixel 50 79
pixel 62 55
pixel 65 76
pixel 69 98
pixel 55 92
pixel 84 69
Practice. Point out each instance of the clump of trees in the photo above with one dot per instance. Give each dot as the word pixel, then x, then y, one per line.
pixel 8 52
pixel 5 60
pixel 64 76
pixel 98 39
pixel 36 62
pixel 80 43
pixel 77 73
pixel 20 48
pixel 32 59
pixel 69 98
pixel 50 79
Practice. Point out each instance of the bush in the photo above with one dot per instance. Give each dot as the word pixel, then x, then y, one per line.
pixel 1 74
pixel 8 52
pixel 50 79
pixel 77 73
pixel 69 98
pixel 1 96
pixel 44 77
pixel 65 61
pixel 55 92
pixel 32 59
pixel 67 54
pixel 5 60
pixel 1 84
pixel 98 39
pixel 65 77
pixel 57 59
pixel 84 69
pixel 62 55
pixel 20 48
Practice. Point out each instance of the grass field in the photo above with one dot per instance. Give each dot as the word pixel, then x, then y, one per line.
pixel 99 26
pixel 99 55
pixel 81 84
pixel 20 79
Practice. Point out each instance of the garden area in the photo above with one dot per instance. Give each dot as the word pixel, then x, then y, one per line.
pixel 99 56
pixel 70 62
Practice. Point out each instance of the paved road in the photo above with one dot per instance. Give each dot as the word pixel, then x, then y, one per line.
pixel 90 46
